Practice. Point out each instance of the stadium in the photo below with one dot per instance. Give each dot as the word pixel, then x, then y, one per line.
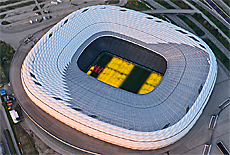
pixel 121 76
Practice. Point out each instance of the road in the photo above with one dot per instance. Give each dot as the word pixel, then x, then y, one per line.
pixel 219 10
pixel 223 6
pixel 213 13
pixel 171 11
pixel 4 139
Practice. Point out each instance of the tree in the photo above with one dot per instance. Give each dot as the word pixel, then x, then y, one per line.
pixel 212 28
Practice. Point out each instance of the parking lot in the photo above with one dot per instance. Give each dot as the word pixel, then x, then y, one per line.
pixel 14 16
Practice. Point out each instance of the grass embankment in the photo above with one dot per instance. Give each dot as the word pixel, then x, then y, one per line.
pixel 27 142
pixel 11 124
pixel 220 25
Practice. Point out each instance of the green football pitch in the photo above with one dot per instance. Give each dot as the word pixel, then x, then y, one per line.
pixel 120 73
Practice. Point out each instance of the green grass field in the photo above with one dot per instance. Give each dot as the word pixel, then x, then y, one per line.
pixel 102 60
pixel 135 79
pixel 120 73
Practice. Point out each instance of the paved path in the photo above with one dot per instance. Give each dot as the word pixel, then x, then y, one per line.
pixel 172 4
pixel 193 142
pixel 221 131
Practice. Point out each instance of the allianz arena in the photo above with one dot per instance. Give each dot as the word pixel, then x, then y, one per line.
pixel 53 79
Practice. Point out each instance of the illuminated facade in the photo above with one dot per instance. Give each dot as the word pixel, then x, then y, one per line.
pixel 54 82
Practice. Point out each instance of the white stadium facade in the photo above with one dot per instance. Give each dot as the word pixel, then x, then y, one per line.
pixel 53 80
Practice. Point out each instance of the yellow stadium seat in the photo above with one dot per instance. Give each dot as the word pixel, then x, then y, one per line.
pixel 89 72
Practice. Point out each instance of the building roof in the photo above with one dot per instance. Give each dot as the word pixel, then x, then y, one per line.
pixel 54 82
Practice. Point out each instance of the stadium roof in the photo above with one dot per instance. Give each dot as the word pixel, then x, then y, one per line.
pixel 55 83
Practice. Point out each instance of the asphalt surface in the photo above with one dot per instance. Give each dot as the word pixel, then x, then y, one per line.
pixel 6 144
pixel 4 139
pixel 213 13
pixel 223 6
pixel 219 10
pixel 171 11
